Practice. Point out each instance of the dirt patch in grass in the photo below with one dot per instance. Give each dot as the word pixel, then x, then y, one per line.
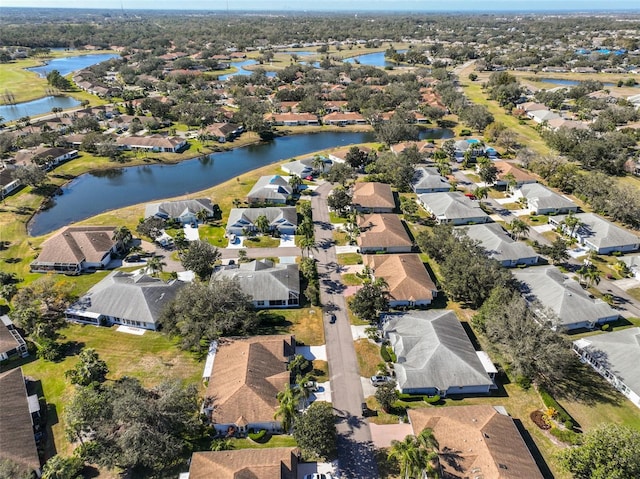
pixel 368 355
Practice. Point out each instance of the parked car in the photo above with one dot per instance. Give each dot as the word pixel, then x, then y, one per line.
pixel 232 238
pixel 308 178
pixel 332 318
pixel 378 380
pixel 319 475
pixel 311 386
pixel 132 258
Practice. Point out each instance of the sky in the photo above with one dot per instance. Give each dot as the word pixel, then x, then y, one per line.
pixel 335 5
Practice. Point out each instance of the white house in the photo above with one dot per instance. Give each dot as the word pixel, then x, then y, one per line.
pixel 598 234
pixel 453 207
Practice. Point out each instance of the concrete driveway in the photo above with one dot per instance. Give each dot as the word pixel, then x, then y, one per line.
pixel 383 434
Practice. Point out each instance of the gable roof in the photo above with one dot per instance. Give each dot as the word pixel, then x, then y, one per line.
pixel 271 463
pixel 262 279
pixel 133 296
pixel 600 232
pixel 10 339
pixel 451 205
pixel 429 178
pixel 271 188
pixel 477 441
pixel 564 296
pixel 433 350
pixel 382 230
pixel 373 195
pixel 544 197
pixel 76 244
pixel 497 242
pixel 247 376
pixel 176 209
pixel 618 352
pixel 243 217
pixel 406 276
pixel 519 175
pixel 17 442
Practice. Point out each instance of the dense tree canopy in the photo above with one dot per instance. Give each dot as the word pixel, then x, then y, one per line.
pixel 200 257
pixel 315 430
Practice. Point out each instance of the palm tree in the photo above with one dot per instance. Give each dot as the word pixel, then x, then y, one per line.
pixel 301 383
pixel 572 223
pixel 202 216
pixel 518 228
pixel 429 443
pixel 155 265
pixel 122 235
pixel 262 224
pixel 511 181
pixel 317 163
pixel 288 407
pixel 307 244
pixel 236 203
pixel 481 192
pixel 295 181
pixel 410 455
pixel 221 445
pixel 180 241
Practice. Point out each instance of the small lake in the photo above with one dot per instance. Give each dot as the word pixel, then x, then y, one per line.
pixel 72 64
pixel 37 107
pixel 373 59
pixel 242 71
pixel 565 82
pixel 91 194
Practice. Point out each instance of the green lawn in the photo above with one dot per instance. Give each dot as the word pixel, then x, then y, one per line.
pixel 261 242
pixel 634 293
pixel 349 258
pixel 152 358
pixel 334 218
pixel 340 237
pixel 350 279
pixel 213 234
pixel 275 441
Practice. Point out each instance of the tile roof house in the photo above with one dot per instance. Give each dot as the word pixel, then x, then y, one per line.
pixel 185 211
pixel 223 132
pixel 270 285
pixel 428 180
pixel 542 201
pixel 11 342
pixel 453 207
pixel 271 463
pixel 46 156
pixel 435 355
pixel 371 197
pixel 509 172
pixel 382 233
pixel 598 234
pixel 292 119
pixel 554 294
pixel 408 280
pixel 17 441
pixel 155 143
pixel 500 246
pixel 479 441
pixel 284 219
pixel 270 189
pixel 76 249
pixel 247 376
pixel 339 155
pixel 615 356
pixel 132 299
pixel 344 118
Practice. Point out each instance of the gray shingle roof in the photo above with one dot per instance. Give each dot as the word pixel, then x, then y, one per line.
pixel 433 350
pixel 544 198
pixel 562 295
pixel 263 280
pixel 429 179
pixel 497 242
pixel 600 232
pixel 272 187
pixel 451 205
pixel 176 209
pixel 132 296
pixel 245 217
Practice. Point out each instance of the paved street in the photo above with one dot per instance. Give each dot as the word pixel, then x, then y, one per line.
pixel 355 447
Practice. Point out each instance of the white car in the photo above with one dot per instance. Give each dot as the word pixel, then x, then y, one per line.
pixel 319 475
pixel 378 380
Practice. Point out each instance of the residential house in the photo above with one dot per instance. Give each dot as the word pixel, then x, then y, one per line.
pixel 542 201
pixel 76 249
pixel 500 246
pixel 473 146
pixel 598 234
pixel 615 356
pixel 511 176
pixel 46 157
pixel 339 155
pixel 633 263
pixel 428 180
pixel 344 118
pixel 434 355
pixel 425 148
pixel 17 425
pixel 270 463
pixel 542 116
pixel 382 233
pixel 408 281
pixel 184 211
pixel 306 167
pixel 223 132
pixel 270 285
pixel 561 302
pixel 247 376
pixel 370 197
pixel 7 184
pixel 155 143
pixel 556 123
pixel 475 442
pixel 270 189
pixel 11 342
pixel 132 299
pixel 291 119
pixel 284 219
pixel 453 208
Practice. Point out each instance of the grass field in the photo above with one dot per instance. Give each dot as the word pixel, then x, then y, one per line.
pixel 368 355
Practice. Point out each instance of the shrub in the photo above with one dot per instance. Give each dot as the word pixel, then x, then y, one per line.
pixel 550 402
pixel 606 327
pixel 465 132
pixel 569 425
pixel 567 436
pixel 384 352
pixel 432 399
pixel 410 397
pixel 539 420
pixel 257 436
pixel 524 382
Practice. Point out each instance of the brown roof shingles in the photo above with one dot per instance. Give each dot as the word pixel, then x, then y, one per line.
pixel 247 376
pixel 382 230
pixel 16 431
pixel 477 441
pixel 77 244
pixel 373 195
pixel 406 276
pixel 271 463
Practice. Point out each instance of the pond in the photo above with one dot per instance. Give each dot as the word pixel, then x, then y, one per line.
pixel 242 71
pixel 68 65
pixel 373 59
pixel 91 194
pixel 36 107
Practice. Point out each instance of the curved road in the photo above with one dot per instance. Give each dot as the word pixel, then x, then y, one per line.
pixel 356 456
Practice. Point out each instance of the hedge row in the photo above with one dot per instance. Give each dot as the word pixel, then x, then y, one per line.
pixel 257 436
pixel 547 399
pixel 567 436
pixel 415 397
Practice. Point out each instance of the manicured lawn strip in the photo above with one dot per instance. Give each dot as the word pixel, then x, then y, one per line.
pixel 340 237
pixel 349 258
pixel 350 279
pixel 261 242
pixel 152 358
pixel 320 370
pixel 304 323
pixel 279 440
pixel 368 355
